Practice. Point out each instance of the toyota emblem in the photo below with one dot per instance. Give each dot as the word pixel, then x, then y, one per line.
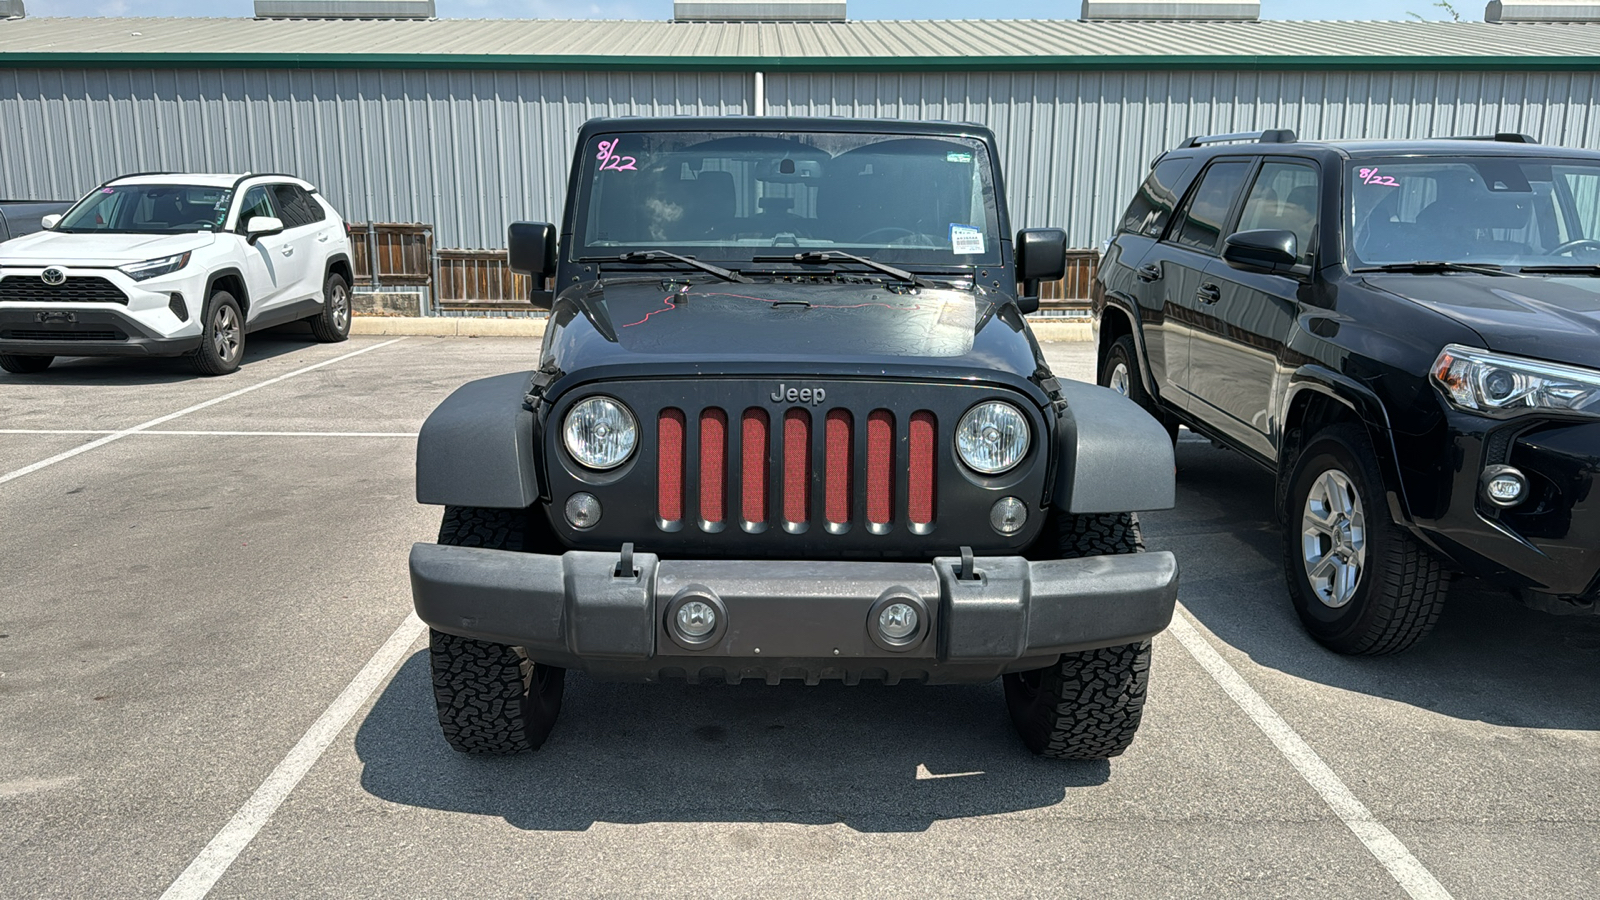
pixel 53 276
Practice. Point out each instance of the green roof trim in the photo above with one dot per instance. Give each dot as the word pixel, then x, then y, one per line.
pixel 555 62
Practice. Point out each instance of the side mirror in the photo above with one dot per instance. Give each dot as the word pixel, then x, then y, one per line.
pixel 531 247
pixel 1270 251
pixel 1041 256
pixel 260 227
pixel 50 221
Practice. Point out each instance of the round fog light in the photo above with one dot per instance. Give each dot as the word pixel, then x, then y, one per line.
pixel 696 619
pixel 1008 515
pixel 898 621
pixel 583 510
pixel 1504 486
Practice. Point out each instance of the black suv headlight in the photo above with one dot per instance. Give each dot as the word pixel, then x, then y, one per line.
pixel 151 268
pixel 1504 386
pixel 993 437
pixel 600 433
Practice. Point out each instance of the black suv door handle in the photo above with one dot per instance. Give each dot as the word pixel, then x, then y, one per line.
pixel 1208 294
pixel 1150 272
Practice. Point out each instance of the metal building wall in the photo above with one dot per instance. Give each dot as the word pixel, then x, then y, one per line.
pixel 1076 145
pixel 467 151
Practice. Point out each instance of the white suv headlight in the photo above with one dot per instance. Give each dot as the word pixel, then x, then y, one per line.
pixel 1504 386
pixel 993 437
pixel 600 433
pixel 151 268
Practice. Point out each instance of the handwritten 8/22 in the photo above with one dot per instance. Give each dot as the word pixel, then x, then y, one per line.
pixel 611 162
pixel 1370 176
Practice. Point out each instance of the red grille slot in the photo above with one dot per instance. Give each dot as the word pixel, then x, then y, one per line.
pixel 880 466
pixel 755 455
pixel 796 466
pixel 922 437
pixel 669 465
pixel 713 464
pixel 836 497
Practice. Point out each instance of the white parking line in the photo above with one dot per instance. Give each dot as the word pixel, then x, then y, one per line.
pixel 1411 875
pixel 145 426
pixel 341 434
pixel 202 874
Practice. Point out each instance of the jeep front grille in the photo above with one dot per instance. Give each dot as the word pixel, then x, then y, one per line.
pixel 846 502
pixel 76 289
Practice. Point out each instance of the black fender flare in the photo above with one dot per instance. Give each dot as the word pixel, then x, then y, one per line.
pixel 214 277
pixel 1362 401
pixel 334 258
pixel 1112 456
pixel 478 447
pixel 1136 328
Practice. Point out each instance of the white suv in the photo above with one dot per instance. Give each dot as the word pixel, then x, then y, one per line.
pixel 169 265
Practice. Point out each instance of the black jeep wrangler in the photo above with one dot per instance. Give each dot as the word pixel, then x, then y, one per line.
pixel 1407 333
pixel 788 422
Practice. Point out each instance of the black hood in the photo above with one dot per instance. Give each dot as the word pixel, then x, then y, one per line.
pixel 782 327
pixel 1549 318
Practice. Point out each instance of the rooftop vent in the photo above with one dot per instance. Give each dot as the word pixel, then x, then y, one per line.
pixel 1542 11
pixel 344 9
pixel 1167 11
pixel 758 11
pixel 12 9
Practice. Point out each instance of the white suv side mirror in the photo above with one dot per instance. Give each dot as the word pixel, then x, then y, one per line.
pixel 261 226
pixel 50 221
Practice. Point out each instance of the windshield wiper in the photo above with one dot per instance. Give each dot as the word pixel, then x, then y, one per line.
pixel 1425 266
pixel 649 256
pixel 827 256
pixel 1593 271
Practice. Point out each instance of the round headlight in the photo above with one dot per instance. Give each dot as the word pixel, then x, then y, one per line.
pixel 600 433
pixel 992 437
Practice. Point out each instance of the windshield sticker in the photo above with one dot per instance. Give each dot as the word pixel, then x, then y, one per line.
pixel 1371 176
pixel 611 162
pixel 965 240
pixel 956 157
pixel 108 190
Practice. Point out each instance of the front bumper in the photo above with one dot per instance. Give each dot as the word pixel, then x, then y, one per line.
pixel 792 619
pixel 59 330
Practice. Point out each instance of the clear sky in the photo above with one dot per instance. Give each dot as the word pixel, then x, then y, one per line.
pixel 1470 10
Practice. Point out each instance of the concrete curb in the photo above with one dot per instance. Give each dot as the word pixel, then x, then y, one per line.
pixel 454 326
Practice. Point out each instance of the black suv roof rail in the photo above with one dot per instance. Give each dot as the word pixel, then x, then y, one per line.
pixel 1270 136
pixel 1504 137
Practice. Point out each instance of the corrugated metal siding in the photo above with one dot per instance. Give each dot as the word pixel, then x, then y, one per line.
pixel 465 151
pixel 1075 146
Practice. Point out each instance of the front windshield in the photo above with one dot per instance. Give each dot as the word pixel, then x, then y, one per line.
pixel 1495 211
pixel 732 197
pixel 149 209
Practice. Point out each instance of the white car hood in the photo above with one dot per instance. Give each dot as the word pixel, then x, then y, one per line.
pixel 54 248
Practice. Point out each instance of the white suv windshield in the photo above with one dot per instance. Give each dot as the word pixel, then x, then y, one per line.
pixel 1500 211
pixel 733 196
pixel 149 209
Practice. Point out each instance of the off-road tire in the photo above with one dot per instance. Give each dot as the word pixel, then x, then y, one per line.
pixel 331 324
pixel 1087 705
pixel 24 365
pixel 208 359
pixel 1401 588
pixel 1125 352
pixel 491 698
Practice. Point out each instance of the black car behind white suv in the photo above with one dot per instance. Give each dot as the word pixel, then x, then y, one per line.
pixel 1406 333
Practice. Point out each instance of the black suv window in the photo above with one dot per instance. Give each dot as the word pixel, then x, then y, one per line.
pixel 1206 211
pixel 1284 198
pixel 255 203
pixel 1152 206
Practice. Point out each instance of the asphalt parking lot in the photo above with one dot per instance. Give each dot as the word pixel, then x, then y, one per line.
pixel 209 676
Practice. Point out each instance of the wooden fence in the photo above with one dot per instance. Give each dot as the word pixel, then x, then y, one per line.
pixel 403 253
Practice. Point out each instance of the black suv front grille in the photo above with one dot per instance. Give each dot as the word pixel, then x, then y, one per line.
pixel 39 334
pixel 76 289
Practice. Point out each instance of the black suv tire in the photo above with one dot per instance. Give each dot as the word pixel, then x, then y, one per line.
pixel 1121 374
pixel 332 323
pixel 1334 510
pixel 1087 705
pixel 491 698
pixel 24 365
pixel 221 337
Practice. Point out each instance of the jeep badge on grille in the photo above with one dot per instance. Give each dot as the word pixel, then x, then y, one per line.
pixel 813 396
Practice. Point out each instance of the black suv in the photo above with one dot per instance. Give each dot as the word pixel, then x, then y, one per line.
pixel 1406 333
pixel 788 423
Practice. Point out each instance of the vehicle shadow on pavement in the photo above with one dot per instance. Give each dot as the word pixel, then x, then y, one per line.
pixel 137 370
pixel 875 758
pixel 1489 659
